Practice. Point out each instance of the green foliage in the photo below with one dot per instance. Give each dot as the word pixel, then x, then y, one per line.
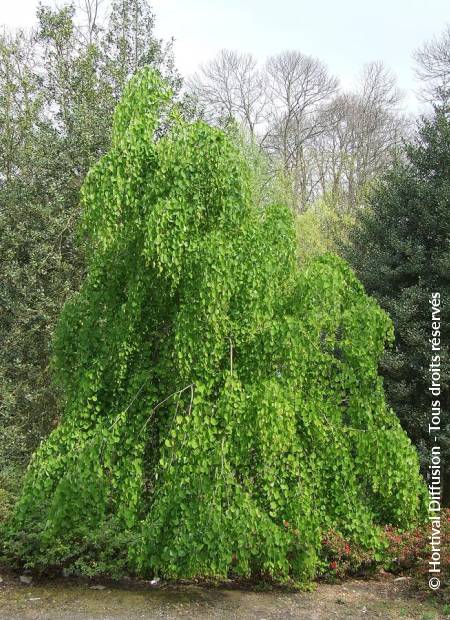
pixel 400 249
pixel 10 484
pixel 319 229
pixel 39 263
pixel 58 92
pixel 223 405
pixel 319 226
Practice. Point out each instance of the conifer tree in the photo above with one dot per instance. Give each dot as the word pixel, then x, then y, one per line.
pixel 400 250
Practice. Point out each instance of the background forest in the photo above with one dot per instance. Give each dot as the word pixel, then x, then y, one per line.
pixel 364 181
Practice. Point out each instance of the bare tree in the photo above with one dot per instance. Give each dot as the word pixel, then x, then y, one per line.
pixel 330 149
pixel 365 130
pixel 323 142
pixel 90 26
pixel 299 88
pixel 433 68
pixel 231 86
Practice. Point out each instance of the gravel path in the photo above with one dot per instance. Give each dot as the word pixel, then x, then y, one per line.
pixel 64 599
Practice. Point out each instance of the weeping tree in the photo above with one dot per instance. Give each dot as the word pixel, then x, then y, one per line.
pixel 224 407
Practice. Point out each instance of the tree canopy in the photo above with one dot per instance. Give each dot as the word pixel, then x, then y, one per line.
pixel 224 407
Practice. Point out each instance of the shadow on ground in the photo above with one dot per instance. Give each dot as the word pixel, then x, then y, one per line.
pixel 63 599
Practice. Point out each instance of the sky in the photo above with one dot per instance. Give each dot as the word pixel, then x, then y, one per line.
pixel 344 34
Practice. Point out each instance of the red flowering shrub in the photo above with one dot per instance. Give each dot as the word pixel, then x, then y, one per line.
pixel 404 551
pixel 407 550
pixel 340 557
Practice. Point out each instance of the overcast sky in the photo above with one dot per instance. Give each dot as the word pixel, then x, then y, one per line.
pixel 344 34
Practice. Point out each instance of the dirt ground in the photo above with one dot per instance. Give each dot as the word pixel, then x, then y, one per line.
pixel 383 597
